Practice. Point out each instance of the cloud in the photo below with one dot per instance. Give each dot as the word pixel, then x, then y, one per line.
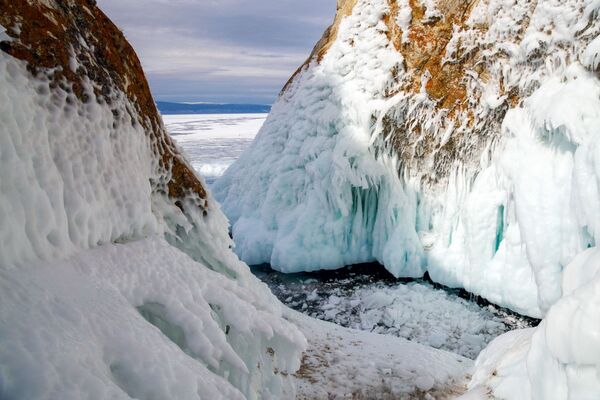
pixel 220 50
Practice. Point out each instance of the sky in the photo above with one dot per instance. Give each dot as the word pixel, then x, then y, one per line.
pixel 229 51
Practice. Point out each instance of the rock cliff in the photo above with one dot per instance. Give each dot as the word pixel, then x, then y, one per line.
pixel 116 270
pixel 438 136
pixel 454 138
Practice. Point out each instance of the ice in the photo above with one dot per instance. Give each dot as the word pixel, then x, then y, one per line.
pixel 75 328
pixel 559 358
pixel 61 187
pixel 108 290
pixel 3 35
pixel 306 194
pixel 417 311
pixel 212 142
pixel 431 11
pixel 320 187
pixel 404 18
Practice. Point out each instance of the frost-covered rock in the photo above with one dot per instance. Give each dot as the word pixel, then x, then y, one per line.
pixel 457 138
pixel 116 276
pixel 559 359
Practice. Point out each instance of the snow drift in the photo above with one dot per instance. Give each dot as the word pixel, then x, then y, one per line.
pixel 116 274
pixel 454 138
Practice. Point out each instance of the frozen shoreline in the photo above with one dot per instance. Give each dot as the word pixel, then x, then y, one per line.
pixel 367 298
pixel 212 142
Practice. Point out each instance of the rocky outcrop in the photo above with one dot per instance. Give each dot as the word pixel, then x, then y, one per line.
pixel 473 60
pixel 109 243
pixel 456 138
pixel 419 134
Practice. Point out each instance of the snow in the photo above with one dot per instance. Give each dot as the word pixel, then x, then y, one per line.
pixel 61 189
pixel 213 126
pixel 539 195
pixel 558 359
pixel 431 11
pixel 76 328
pixel 212 142
pixel 404 18
pixel 108 290
pixel 343 363
pixel 320 188
pixel 3 35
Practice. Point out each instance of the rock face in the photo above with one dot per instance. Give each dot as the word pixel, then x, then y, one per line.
pixel 441 136
pixel 463 64
pixel 457 138
pixel 116 270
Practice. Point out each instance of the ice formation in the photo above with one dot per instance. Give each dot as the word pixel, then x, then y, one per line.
pixel 117 279
pixel 454 139
pixel 560 358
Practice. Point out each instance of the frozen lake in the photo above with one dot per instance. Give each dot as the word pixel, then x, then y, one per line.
pixel 361 297
pixel 212 142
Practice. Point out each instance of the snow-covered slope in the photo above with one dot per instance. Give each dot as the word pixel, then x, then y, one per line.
pixel 343 363
pixel 457 138
pixel 117 278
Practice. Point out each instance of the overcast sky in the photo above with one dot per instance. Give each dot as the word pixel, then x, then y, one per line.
pixel 220 50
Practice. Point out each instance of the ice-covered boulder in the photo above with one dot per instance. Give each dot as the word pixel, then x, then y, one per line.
pixel 458 138
pixel 117 278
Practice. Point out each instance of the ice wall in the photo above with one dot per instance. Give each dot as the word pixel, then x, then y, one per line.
pixel 462 145
pixel 310 193
pixel 66 184
pixel 117 277
pixel 535 206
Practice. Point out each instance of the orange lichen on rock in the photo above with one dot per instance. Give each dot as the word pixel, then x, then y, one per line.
pixel 425 50
pixel 73 40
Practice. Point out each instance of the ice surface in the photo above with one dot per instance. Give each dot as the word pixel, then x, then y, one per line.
pixel 72 329
pixel 308 193
pixel 416 310
pixel 108 290
pixel 560 358
pixel 318 189
pixel 213 142
pixel 62 187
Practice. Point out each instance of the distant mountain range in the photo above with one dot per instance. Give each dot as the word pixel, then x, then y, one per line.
pixel 211 108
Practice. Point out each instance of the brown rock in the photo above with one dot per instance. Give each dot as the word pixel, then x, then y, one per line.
pixel 445 81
